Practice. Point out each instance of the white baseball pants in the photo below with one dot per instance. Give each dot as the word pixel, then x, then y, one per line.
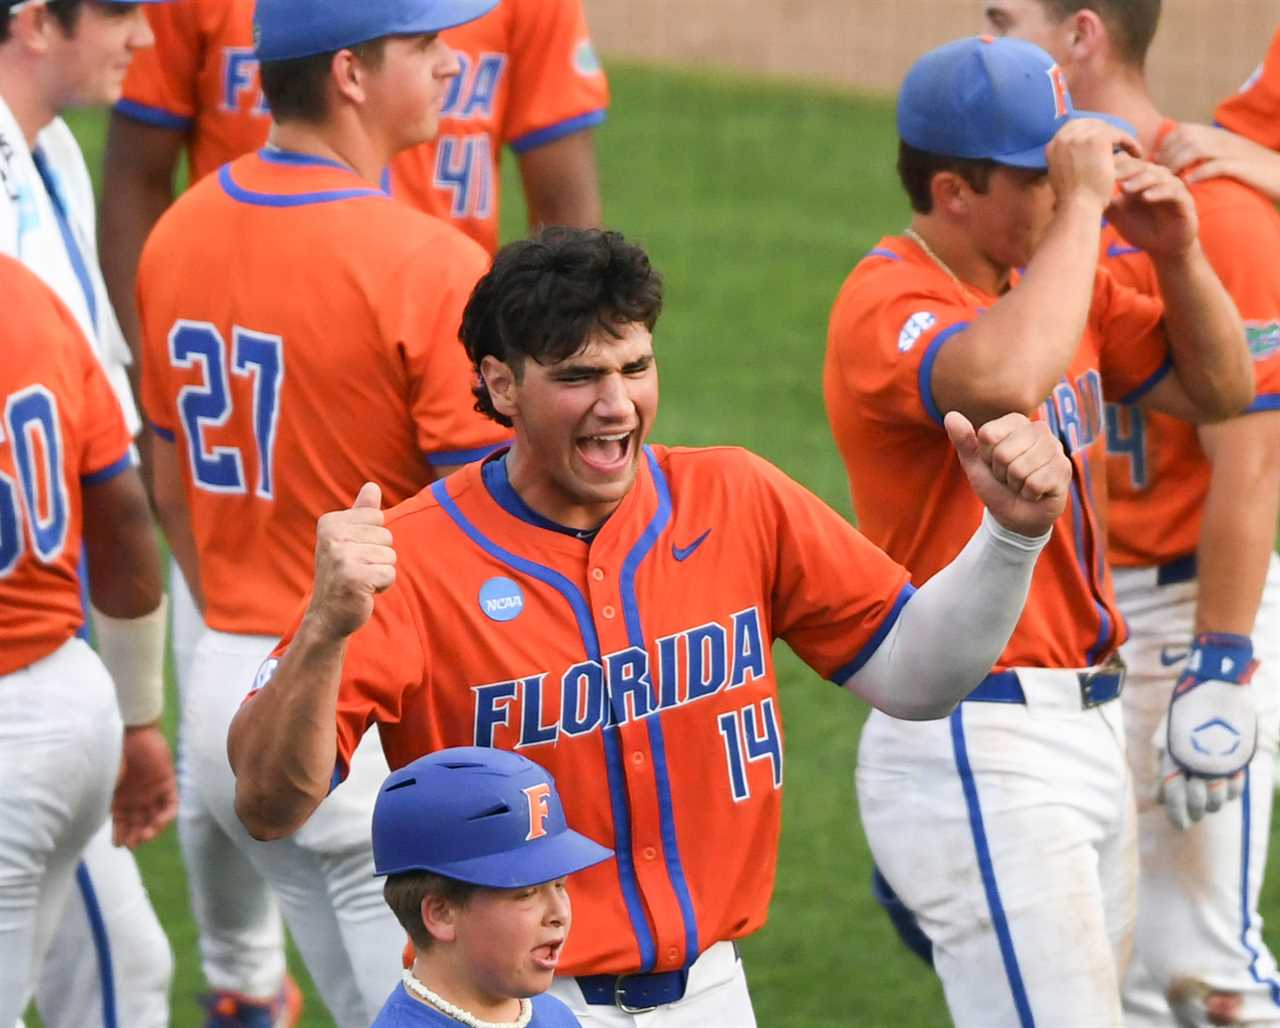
pixel 716 997
pixel 1199 940
pixel 60 738
pixel 1009 830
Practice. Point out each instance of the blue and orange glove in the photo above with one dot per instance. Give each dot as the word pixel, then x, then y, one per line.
pixel 1210 732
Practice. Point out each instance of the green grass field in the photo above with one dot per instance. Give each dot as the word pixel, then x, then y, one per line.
pixel 754 200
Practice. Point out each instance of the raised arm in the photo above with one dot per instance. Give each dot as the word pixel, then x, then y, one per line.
pixel 282 776
pixel 1010 357
pixel 1213 373
pixel 561 184
pixel 954 628
pixel 1204 152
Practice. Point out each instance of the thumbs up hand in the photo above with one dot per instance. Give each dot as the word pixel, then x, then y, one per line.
pixel 1017 468
pixel 355 560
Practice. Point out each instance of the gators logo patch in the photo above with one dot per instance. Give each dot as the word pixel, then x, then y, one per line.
pixel 1263 338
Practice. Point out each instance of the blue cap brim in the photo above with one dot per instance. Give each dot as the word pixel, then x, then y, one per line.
pixel 1035 157
pixel 543 860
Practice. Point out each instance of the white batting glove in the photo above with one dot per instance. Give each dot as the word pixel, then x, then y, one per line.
pixel 1210 732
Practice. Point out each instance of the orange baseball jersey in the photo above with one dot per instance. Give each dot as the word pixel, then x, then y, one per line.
pixel 1157 473
pixel 894 313
pixel 636 667
pixel 60 428
pixel 300 336
pixel 529 77
pixel 1255 110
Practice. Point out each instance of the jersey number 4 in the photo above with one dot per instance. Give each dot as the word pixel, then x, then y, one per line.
pixel 33 432
pixel 255 355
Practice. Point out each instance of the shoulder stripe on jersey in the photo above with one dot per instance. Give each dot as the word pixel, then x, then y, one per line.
pixel 657 741
pixel 101 944
pixel 273 155
pixel 1156 376
pixel 926 369
pixel 613 757
pixel 250 196
pixel 843 674
pixel 1247 898
pixel 156 116
pixel 1264 402
pixel 995 904
pixel 451 457
pixel 541 137
pixel 880 251
pixel 109 472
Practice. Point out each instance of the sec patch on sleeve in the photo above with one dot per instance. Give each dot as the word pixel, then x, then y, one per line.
pixel 916 326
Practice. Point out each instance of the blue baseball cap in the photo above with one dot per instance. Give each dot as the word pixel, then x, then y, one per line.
pixel 285 29
pixel 484 816
pixel 987 98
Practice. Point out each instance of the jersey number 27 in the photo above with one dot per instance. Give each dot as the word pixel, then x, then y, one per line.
pixel 255 355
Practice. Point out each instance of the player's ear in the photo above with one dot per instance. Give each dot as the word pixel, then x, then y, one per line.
pixel 32 26
pixel 346 76
pixel 950 193
pixel 1086 35
pixel 503 385
pixel 439 917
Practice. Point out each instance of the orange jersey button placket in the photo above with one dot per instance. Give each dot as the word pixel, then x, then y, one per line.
pixel 648 853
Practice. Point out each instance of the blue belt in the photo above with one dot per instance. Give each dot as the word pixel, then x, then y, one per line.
pixel 1181 569
pixel 634 993
pixel 1003 687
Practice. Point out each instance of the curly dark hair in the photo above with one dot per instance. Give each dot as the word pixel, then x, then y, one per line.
pixel 546 296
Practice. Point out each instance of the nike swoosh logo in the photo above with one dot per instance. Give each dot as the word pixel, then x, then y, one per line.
pixel 685 552
pixel 1176 657
pixel 1117 250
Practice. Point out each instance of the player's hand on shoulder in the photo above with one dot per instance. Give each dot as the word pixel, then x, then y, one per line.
pixel 355 560
pixel 1189 144
pixel 1153 208
pixel 1082 159
pixel 1210 731
pixel 146 796
pixel 1017 467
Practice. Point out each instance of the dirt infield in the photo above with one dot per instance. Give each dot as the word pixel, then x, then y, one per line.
pixel 1204 50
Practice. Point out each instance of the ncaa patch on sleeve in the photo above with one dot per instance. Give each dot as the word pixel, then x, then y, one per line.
pixel 916 326
pixel 585 60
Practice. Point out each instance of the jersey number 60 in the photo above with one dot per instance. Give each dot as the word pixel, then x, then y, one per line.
pixel 33 430
pixel 220 469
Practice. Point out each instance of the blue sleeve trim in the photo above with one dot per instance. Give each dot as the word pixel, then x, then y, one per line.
pixel 1149 384
pixel 153 116
pixel 926 369
pixel 109 472
pixel 1264 402
pixel 339 775
pixel 450 457
pixel 167 434
pixel 541 137
pixel 843 674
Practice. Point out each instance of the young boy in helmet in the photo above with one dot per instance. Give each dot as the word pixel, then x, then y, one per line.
pixel 476 850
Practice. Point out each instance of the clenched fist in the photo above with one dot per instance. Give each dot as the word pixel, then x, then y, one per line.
pixel 355 560
pixel 1017 467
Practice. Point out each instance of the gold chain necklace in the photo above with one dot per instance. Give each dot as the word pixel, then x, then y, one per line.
pixel 457 1013
pixel 918 239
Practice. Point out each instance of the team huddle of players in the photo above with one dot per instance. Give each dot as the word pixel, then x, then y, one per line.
pixel 1056 394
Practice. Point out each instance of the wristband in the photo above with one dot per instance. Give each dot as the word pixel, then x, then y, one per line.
pixel 133 651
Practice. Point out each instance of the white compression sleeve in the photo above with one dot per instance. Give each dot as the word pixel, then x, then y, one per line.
pixel 133 651
pixel 951 632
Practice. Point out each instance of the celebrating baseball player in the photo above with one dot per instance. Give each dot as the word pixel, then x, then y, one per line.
pixel 1243 142
pixel 1192 530
pixel 1009 828
pixel 608 608
pixel 66 474
pixel 300 332
pixel 476 850
pixel 110 962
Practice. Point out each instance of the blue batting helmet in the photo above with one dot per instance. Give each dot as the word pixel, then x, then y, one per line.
pixel 484 816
